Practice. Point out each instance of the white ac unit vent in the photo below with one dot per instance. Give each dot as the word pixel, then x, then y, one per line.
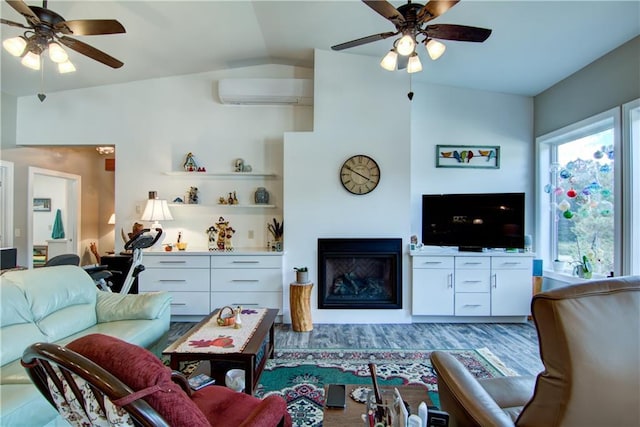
pixel 266 91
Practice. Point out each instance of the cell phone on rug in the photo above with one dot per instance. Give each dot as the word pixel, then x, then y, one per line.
pixel 336 396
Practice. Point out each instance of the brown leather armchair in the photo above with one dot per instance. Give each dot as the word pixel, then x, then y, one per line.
pixel 589 336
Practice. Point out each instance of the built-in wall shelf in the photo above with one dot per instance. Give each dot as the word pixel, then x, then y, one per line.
pixel 239 206
pixel 222 174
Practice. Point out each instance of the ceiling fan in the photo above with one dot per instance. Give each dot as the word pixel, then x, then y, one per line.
pixel 409 20
pixel 47 30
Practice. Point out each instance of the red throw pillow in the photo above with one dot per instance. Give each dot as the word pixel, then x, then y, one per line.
pixel 138 368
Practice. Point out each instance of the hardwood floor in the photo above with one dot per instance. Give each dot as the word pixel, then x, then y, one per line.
pixel 515 344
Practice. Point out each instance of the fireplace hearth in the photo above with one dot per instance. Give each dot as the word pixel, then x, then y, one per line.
pixel 363 273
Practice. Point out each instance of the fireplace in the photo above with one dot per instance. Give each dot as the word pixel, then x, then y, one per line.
pixel 360 273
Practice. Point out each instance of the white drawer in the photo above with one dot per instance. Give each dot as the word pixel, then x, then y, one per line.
pixel 246 279
pixel 175 261
pixel 511 263
pixel 469 262
pixel 433 262
pixel 473 304
pixel 177 279
pixel 246 261
pixel 472 281
pixel 190 303
pixel 247 299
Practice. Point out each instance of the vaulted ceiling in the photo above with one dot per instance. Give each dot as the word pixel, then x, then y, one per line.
pixel 534 44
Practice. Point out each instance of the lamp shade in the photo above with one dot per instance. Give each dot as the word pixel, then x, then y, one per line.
pixel 15 45
pixel 435 49
pixel 156 210
pixel 57 53
pixel 31 60
pixel 414 64
pixel 405 45
pixel 112 219
pixel 390 61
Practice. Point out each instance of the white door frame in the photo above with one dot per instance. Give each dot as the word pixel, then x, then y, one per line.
pixel 73 187
pixel 6 204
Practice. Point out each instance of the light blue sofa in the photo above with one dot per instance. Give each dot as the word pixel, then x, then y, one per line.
pixel 60 304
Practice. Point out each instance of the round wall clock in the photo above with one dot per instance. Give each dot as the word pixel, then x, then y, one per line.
pixel 360 174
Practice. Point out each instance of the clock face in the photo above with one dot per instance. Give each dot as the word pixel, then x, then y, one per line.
pixel 360 174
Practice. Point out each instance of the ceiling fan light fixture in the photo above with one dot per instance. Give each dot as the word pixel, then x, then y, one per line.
pixel 66 67
pixel 31 60
pixel 414 64
pixel 15 45
pixel 57 54
pixel 435 48
pixel 390 61
pixel 406 45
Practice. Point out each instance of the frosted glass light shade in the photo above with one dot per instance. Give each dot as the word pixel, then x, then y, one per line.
pixel 435 49
pixel 390 61
pixel 406 45
pixel 15 45
pixel 66 67
pixel 57 54
pixel 31 60
pixel 414 64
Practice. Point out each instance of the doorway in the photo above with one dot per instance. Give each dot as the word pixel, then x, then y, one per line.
pixel 6 204
pixel 53 202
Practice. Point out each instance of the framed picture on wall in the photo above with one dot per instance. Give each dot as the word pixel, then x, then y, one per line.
pixel 42 205
pixel 468 156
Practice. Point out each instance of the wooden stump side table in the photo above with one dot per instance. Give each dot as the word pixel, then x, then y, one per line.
pixel 300 306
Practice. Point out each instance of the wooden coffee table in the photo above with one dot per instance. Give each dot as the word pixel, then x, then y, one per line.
pixel 351 415
pixel 260 343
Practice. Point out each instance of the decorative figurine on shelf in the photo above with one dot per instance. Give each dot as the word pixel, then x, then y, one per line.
pixel 178 200
pixel 192 196
pixel 212 233
pixel 190 163
pixel 223 233
pixel 239 165
pixel 222 200
pixel 230 199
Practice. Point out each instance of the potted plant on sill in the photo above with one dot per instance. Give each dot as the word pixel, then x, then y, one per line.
pixel 559 266
pixel 302 274
pixel 583 269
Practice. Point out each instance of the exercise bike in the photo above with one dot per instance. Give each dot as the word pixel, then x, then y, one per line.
pixel 139 241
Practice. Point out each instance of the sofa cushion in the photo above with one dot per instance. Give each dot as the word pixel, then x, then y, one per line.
pixel 57 294
pixel 111 307
pixel 140 369
pixel 16 322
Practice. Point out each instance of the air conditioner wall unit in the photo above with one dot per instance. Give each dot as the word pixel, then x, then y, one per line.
pixel 266 91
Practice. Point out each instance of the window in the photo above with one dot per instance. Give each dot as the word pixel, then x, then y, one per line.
pixel 587 209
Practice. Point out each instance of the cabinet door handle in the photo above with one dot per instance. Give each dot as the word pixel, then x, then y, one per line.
pixel 178 303
pixel 244 304
pixel 450 280
pixel 173 262
pixel 495 280
pixel 511 263
pixel 245 262
pixel 472 281
pixel 472 263
pixel 472 305
pixel 171 280
pixel 245 280
pixel 432 262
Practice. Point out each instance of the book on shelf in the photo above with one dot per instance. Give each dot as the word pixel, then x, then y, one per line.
pixel 201 380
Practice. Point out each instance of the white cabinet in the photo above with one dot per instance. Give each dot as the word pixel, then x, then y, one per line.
pixel 476 285
pixel 246 280
pixel 511 286
pixel 200 282
pixel 185 277
pixel 433 286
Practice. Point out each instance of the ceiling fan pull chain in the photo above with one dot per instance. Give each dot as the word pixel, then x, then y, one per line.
pixel 410 94
pixel 41 95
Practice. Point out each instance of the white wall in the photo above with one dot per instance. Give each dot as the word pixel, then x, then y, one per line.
pixel 155 123
pixel 449 115
pixel 350 117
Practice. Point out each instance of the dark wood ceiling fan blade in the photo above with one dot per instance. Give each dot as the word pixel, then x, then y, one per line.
pixel 90 27
pixel 461 33
pixel 363 40
pixel 24 10
pixel 90 51
pixel 13 24
pixel 385 9
pixel 435 8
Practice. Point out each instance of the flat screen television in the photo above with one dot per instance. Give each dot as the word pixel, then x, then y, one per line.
pixel 473 222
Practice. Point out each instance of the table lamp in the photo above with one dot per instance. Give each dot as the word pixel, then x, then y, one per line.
pixel 156 210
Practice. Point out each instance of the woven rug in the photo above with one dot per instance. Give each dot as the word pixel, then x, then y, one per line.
pixel 300 375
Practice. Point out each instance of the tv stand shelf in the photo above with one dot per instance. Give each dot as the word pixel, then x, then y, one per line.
pixel 449 285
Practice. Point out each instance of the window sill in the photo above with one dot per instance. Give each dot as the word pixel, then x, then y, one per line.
pixel 568 278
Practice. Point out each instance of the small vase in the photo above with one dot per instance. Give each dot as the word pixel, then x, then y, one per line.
pixel 262 196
